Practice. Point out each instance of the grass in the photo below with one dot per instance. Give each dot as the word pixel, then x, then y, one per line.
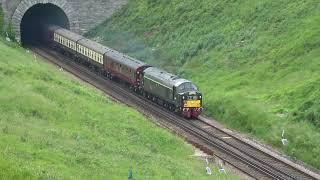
pixel 256 62
pixel 1 20
pixel 53 127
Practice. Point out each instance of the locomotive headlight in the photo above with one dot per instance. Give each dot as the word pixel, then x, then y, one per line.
pixel 200 97
pixel 182 97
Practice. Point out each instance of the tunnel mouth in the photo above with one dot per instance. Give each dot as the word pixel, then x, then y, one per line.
pixel 36 18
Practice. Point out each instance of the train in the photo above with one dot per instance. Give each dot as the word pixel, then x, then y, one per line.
pixel 166 89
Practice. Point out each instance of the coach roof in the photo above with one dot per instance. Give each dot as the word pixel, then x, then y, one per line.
pixel 94 46
pixel 68 34
pixel 125 60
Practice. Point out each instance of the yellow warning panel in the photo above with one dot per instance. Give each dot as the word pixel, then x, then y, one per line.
pixel 192 104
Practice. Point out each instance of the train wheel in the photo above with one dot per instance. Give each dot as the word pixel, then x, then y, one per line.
pixel 165 105
pixel 154 99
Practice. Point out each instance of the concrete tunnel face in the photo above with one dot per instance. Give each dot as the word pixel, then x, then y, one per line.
pixel 36 18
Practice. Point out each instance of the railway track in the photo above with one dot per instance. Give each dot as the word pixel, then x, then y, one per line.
pixel 243 156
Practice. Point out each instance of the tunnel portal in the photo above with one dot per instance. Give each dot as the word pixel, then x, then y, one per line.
pixel 36 18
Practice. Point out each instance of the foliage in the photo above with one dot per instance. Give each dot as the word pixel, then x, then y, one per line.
pixel 53 127
pixel 10 32
pixel 257 62
pixel 1 20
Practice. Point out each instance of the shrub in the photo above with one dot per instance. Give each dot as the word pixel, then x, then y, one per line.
pixel 1 20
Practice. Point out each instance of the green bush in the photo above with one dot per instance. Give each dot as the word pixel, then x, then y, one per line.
pixel 1 20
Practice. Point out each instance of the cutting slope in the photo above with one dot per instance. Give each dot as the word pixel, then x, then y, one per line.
pixel 257 62
pixel 53 127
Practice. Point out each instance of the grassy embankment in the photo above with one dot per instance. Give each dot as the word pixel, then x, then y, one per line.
pixel 53 127
pixel 257 62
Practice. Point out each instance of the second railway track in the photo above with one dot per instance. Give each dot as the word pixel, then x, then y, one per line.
pixel 242 156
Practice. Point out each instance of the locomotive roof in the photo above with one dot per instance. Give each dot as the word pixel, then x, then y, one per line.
pixel 68 34
pixel 99 48
pixel 164 77
pixel 125 60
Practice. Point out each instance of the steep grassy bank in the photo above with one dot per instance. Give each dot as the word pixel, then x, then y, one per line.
pixel 53 127
pixel 257 62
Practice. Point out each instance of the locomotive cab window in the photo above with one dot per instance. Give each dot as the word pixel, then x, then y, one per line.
pixel 186 87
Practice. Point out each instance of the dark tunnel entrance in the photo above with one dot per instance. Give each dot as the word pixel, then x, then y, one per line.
pixel 36 18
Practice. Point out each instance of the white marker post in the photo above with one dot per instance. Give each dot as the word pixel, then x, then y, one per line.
pixel 283 140
pixel 221 169
pixel 7 37
pixel 208 170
